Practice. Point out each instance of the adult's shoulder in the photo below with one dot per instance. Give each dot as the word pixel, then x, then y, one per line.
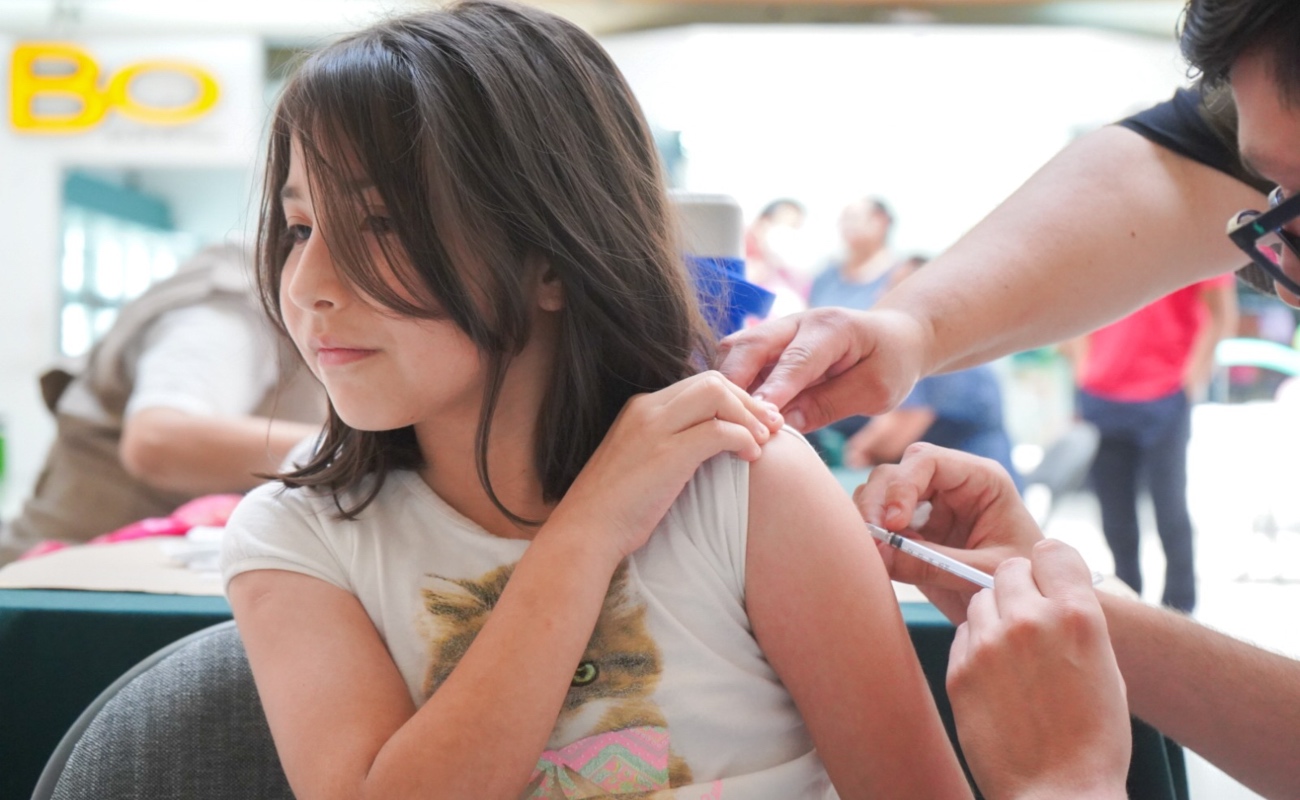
pixel 1199 123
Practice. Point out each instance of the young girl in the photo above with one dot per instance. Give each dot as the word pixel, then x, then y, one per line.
pixel 539 552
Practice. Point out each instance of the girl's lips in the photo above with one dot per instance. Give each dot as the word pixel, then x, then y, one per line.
pixel 338 356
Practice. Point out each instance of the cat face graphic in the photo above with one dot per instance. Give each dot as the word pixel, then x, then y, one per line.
pixel 613 685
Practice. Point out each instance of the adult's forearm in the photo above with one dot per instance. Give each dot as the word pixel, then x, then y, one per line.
pixel 1235 704
pixel 1110 223
pixel 178 451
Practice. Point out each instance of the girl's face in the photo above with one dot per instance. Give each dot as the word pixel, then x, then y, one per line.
pixel 382 371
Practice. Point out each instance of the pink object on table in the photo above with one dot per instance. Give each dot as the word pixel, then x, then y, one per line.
pixel 211 510
pixel 150 526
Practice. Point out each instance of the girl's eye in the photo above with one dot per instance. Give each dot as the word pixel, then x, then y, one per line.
pixel 378 224
pixel 298 233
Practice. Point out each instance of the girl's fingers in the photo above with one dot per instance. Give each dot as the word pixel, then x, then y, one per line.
pixel 708 396
pixel 706 439
pixel 765 412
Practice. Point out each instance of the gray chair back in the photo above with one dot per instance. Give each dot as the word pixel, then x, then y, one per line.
pixel 184 723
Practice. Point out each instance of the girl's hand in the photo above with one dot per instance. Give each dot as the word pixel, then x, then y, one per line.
pixel 976 516
pixel 653 448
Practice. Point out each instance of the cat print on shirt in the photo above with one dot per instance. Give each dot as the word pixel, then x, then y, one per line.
pixel 611 737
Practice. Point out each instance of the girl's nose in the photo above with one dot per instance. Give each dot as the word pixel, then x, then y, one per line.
pixel 311 280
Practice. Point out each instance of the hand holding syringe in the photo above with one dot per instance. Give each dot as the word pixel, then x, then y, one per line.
pixel 932 557
pixel 937 559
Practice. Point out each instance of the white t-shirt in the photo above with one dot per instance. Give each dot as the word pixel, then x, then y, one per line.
pixel 213 359
pixel 673 687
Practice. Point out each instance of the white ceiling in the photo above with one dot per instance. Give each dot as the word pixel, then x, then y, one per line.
pixel 295 22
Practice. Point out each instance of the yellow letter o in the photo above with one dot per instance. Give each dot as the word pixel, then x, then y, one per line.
pixel 119 94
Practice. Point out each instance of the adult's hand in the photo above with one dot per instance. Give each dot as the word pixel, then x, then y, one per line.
pixel 976 516
pixel 1037 695
pixel 827 363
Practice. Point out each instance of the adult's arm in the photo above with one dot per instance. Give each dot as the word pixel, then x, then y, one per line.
pixel 181 451
pixel 1235 704
pixel 192 421
pixel 1110 223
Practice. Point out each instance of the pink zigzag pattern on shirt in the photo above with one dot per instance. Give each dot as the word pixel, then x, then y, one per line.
pixel 647 743
pixel 630 760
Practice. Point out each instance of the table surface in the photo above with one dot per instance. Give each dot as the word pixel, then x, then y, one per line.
pixel 59 649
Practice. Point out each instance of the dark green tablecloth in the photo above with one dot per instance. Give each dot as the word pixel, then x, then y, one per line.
pixel 60 649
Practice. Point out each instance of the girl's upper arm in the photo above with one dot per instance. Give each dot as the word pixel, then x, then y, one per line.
pixel 824 612
pixel 332 694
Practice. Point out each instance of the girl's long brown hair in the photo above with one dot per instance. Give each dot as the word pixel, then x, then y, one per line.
pixel 502 140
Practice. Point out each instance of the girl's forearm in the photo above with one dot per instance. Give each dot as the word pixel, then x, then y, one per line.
pixel 481 732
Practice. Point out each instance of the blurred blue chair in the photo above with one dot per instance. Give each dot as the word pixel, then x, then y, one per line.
pixel 713 237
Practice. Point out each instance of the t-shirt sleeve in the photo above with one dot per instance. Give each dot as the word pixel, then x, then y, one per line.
pixel 1200 125
pixel 711 517
pixel 275 528
pixel 212 359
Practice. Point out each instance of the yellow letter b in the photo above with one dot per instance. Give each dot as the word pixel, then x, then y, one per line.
pixel 80 84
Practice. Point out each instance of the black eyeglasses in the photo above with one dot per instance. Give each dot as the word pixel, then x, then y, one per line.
pixel 1262 236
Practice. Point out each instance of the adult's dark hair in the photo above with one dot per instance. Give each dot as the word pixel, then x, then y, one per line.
pixel 504 143
pixel 1215 33
pixel 882 208
pixel 773 208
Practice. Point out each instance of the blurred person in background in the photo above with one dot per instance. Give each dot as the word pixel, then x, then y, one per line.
pixel 1137 380
pixel 962 410
pixel 860 276
pixel 858 279
pixel 1055 259
pixel 187 394
pixel 767 262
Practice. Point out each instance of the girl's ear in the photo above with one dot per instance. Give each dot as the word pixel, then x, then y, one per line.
pixel 550 293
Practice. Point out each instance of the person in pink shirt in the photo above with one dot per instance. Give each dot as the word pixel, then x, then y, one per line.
pixel 1138 378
